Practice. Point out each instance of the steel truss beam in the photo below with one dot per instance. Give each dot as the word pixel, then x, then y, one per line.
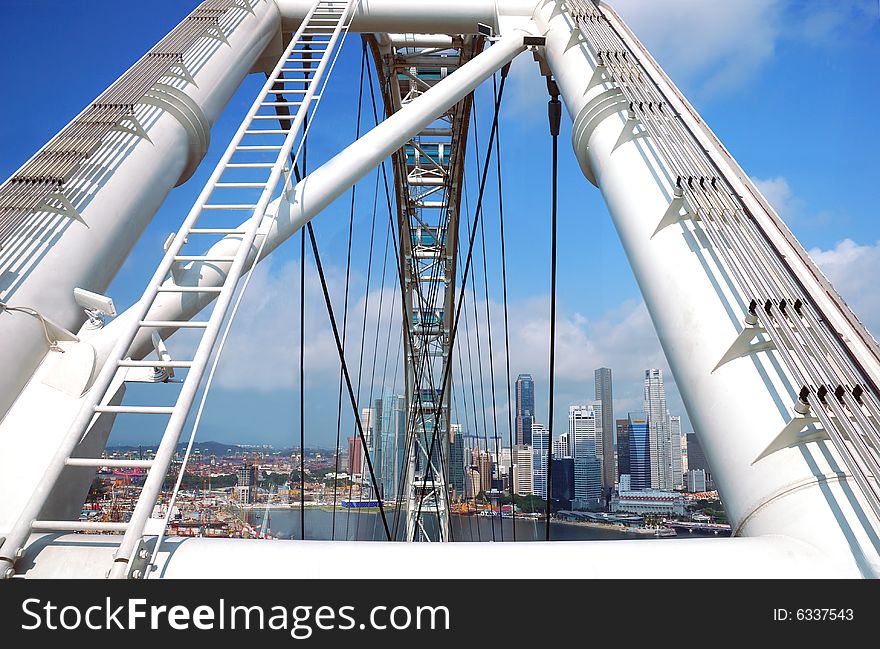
pixel 428 174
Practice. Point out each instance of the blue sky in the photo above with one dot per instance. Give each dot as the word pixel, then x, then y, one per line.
pixel 789 87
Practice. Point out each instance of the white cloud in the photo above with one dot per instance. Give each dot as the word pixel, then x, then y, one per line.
pixel 715 47
pixel 262 352
pixel 853 270
pixel 778 193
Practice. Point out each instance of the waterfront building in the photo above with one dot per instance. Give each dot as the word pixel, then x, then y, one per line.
pixel 639 452
pixel 525 408
pixel 647 501
pixel 584 430
pixel 658 430
pixel 605 446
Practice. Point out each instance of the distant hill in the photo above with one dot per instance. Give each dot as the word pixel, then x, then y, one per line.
pixel 216 448
pixel 205 448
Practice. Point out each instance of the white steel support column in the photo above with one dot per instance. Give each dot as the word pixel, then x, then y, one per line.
pixel 740 408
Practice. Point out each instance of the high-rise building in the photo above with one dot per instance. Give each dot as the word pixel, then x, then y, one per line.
pixel 696 457
pixel 639 452
pixel 684 454
pixel 523 483
pixel 482 461
pixel 622 426
pixel 562 446
pixel 696 481
pixel 246 487
pixel 585 433
pixel 658 430
pixel 605 449
pixel 355 456
pixel 675 451
pixel 540 448
pixel 390 435
pixel 562 481
pixel 525 408
pixel 367 419
pixel 473 482
pixel 456 460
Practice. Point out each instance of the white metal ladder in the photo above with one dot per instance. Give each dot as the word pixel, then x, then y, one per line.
pixel 313 43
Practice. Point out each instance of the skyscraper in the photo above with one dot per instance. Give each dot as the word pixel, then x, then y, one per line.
pixel 585 435
pixel 368 417
pixel 246 487
pixel 540 446
pixel 525 408
pixel 562 446
pixel 562 481
pixel 389 432
pixel 482 461
pixel 456 460
pixel 523 484
pixel 355 456
pixel 639 452
pixel 605 450
pixel 675 451
pixel 684 454
pixel 658 430
pixel 622 426
pixel 696 457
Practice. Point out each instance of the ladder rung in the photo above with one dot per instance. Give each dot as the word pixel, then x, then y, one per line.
pixel 290 91
pixel 250 165
pixel 154 363
pixel 189 289
pixel 78 526
pixel 203 258
pixel 281 103
pixel 277 131
pixel 179 324
pixel 259 147
pixel 108 462
pixel 237 185
pixel 298 70
pixel 137 410
pixel 217 231
pixel 229 206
